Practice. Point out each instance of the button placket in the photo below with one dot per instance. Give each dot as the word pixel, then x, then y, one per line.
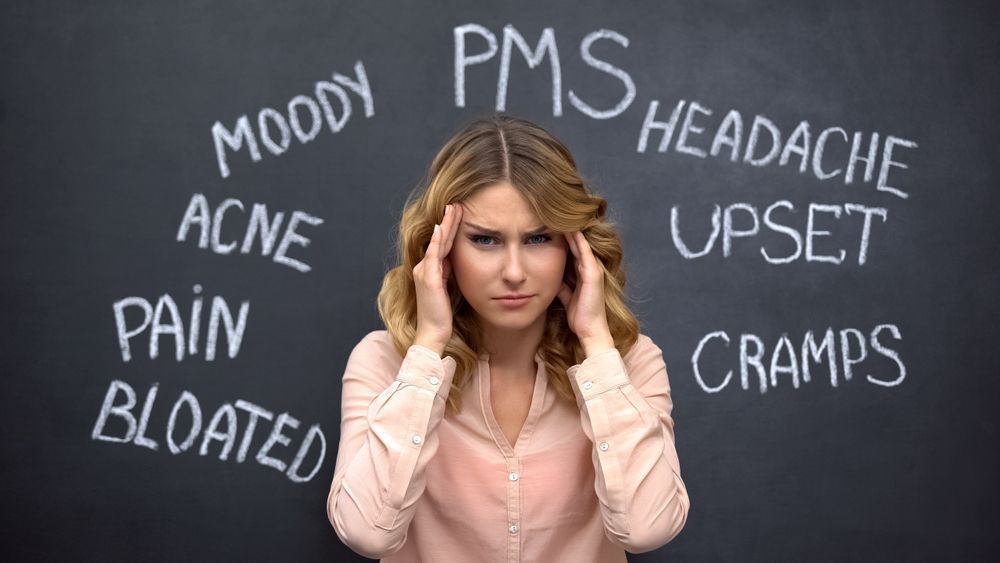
pixel 513 509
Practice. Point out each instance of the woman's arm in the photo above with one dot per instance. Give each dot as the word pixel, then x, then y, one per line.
pixel 626 411
pixel 389 416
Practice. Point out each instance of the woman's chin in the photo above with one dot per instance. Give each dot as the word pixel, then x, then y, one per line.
pixel 512 321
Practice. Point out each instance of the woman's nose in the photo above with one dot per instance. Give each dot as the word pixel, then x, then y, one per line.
pixel 513 269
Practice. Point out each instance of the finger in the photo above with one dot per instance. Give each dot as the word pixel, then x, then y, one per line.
pixel 435 243
pixel 455 221
pixel 588 255
pixel 443 232
pixel 572 243
pixel 578 253
pixel 446 227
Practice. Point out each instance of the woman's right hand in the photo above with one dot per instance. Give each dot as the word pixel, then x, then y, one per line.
pixel 430 276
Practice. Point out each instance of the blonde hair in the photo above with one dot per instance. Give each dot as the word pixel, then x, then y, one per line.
pixel 485 152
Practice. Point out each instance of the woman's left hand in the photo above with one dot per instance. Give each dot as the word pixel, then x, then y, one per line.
pixel 585 309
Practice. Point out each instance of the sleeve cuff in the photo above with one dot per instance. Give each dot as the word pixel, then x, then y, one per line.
pixel 424 368
pixel 598 374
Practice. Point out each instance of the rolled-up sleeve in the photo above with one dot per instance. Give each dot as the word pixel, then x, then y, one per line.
pixel 625 409
pixel 389 415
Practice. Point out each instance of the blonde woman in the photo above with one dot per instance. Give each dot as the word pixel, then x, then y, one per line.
pixel 511 410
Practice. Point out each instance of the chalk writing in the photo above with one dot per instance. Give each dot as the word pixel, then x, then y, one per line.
pixel 270 120
pixel 729 132
pixel 223 428
pixel 152 319
pixel 723 222
pixel 259 224
pixel 546 47
pixel 846 351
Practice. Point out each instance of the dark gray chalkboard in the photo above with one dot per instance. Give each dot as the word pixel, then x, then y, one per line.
pixel 106 142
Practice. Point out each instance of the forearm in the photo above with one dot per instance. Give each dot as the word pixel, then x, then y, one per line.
pixel 374 496
pixel 642 497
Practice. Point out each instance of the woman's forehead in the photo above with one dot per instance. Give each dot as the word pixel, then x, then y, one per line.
pixel 501 207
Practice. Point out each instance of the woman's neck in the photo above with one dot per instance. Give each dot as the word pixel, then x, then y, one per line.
pixel 513 351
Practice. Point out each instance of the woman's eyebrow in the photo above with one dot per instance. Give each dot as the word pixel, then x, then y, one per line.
pixel 496 233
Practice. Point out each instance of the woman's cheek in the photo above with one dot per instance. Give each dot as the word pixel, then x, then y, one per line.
pixel 557 264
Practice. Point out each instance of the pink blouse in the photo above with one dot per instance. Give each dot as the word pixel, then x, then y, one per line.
pixel 582 484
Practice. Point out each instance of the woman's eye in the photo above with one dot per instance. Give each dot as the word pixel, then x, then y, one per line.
pixel 481 239
pixel 486 240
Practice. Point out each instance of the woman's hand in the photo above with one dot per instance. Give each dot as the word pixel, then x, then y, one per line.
pixel 430 276
pixel 585 308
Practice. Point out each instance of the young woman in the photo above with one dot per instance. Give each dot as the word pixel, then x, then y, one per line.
pixel 510 411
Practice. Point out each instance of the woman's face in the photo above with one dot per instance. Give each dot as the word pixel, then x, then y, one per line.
pixel 502 250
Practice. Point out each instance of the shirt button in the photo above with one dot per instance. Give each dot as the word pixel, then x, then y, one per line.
pixel 588 384
pixel 604 446
pixel 435 380
pixel 514 528
pixel 417 439
pixel 513 476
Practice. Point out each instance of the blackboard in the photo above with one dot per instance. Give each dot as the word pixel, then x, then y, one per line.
pixel 869 229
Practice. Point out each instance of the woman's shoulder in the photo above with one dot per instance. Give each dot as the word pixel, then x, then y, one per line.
pixel 642 344
pixel 380 337
pixel 373 363
pixel 643 351
pixel 378 346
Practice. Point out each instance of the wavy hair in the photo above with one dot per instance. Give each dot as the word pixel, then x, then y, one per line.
pixel 487 151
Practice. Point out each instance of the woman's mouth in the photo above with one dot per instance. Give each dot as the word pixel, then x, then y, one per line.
pixel 513 300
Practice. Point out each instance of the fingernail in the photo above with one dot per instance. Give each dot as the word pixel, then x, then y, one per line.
pixel 447 208
pixel 436 228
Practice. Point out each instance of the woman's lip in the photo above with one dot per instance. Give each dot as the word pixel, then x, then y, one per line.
pixel 514 301
pixel 513 297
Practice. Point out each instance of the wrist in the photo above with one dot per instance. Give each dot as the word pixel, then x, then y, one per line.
pixel 595 345
pixel 431 344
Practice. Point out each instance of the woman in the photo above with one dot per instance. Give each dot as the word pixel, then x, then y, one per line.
pixel 510 411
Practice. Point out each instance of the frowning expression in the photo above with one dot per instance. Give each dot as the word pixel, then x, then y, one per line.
pixel 507 264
